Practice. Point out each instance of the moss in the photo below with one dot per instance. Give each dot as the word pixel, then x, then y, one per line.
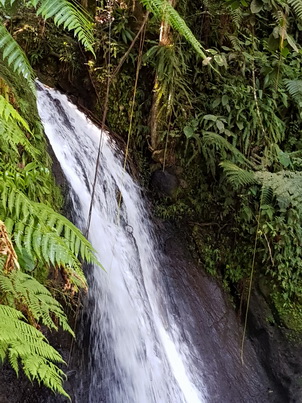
pixel 289 314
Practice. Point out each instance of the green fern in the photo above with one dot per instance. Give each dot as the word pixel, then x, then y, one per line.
pixel 296 5
pixel 73 18
pixel 286 187
pixel 12 136
pixel 19 290
pixel 267 195
pixel 294 87
pixel 23 344
pixel 15 57
pixel 210 139
pixel 44 234
pixel 238 177
pixel 7 111
pixel 41 239
pixel 162 9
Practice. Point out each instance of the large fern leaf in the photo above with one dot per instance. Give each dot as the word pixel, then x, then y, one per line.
pixel 294 87
pixel 14 56
pixel 45 235
pixel 72 17
pixel 296 5
pixel 7 111
pixel 22 290
pixel 237 176
pixel 24 344
pixel 221 143
pixel 163 10
pixel 12 136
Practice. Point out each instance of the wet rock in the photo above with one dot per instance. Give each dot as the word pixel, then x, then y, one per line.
pixel 215 332
pixel 279 353
pixel 164 183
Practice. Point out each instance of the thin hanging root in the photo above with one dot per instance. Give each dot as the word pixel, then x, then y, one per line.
pixel 7 250
pixel 110 77
pixel 258 220
pixel 250 289
pixel 121 62
pixel 142 33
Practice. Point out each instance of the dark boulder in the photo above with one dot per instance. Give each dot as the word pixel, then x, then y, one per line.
pixel 164 183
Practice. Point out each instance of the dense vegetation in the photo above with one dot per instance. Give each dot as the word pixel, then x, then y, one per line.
pixel 40 250
pixel 225 118
pixel 208 91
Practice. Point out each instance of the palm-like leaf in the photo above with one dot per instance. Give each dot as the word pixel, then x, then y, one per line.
pixel 45 234
pixel 22 343
pixel 20 289
pixel 70 16
pixel 162 9
pixel 12 130
pixel 14 56
pixel 296 5
pixel 237 176
pixel 294 87
pixel 42 237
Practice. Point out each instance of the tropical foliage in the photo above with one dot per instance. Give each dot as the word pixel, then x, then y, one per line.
pixel 218 103
pixel 35 240
pixel 235 135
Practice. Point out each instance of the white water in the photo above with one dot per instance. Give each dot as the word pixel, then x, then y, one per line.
pixel 138 355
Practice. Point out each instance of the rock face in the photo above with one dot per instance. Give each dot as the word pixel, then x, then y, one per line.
pixel 279 354
pixel 164 183
pixel 214 328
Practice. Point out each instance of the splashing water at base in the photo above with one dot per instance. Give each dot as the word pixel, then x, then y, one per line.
pixel 137 352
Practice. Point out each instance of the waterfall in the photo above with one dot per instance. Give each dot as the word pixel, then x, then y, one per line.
pixel 138 352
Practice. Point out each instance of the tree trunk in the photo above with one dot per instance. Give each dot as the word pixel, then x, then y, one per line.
pixel 165 39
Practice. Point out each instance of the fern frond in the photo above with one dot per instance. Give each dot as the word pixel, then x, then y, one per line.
pixel 7 111
pixel 267 195
pixel 43 370
pixel 72 17
pixel 236 15
pixel 23 343
pixel 237 176
pixel 163 10
pixel 296 5
pixel 294 87
pixel 45 235
pixel 19 207
pixel 286 187
pixel 15 57
pixel 11 136
pixel 20 289
pixel 219 142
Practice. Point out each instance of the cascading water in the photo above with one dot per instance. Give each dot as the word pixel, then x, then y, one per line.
pixel 138 353
pixel 160 331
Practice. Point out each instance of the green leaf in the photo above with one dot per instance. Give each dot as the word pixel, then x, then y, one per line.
pixel 256 6
pixel 284 159
pixel 26 261
pixel 210 117
pixel 240 125
pixel 220 125
pixel 216 102
pixel 188 131
pixel 15 57
pixel 225 100
pixel 162 9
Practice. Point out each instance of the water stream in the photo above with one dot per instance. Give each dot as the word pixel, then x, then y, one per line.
pixel 155 337
pixel 146 359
